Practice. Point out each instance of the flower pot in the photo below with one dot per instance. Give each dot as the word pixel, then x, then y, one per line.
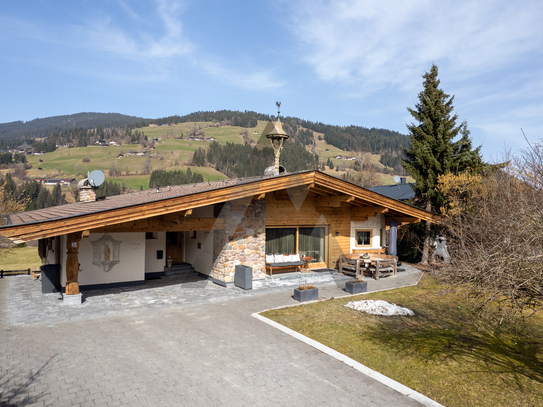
pixel 356 288
pixel 306 295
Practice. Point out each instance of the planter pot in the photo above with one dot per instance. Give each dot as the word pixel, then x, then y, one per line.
pixel 356 288
pixel 306 295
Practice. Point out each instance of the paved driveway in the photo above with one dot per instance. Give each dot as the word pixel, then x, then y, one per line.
pixel 205 350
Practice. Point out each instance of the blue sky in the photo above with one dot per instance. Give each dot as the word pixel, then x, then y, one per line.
pixel 338 62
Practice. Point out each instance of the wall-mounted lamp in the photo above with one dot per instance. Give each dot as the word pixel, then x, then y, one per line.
pixel 337 234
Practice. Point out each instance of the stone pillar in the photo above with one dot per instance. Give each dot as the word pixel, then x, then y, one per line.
pixel 243 241
pixel 72 263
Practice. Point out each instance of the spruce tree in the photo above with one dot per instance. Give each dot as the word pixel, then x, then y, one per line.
pixel 432 150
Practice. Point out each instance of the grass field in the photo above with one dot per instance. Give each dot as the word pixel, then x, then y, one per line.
pixel 19 258
pixel 445 352
pixel 170 153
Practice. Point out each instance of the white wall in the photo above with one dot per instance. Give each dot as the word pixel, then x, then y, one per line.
pixel 152 264
pixel 376 224
pixel 201 259
pixel 130 268
pixel 51 255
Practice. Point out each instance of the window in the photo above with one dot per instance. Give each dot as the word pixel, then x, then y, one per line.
pixel 312 243
pixel 362 238
pixel 281 241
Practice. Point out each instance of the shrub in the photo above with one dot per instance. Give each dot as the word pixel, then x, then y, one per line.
pixel 306 287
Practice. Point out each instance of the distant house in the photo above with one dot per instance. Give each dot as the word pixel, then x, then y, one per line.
pixel 54 181
pixel 120 155
pixel 401 192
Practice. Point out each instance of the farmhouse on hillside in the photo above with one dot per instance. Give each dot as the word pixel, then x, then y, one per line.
pixel 121 240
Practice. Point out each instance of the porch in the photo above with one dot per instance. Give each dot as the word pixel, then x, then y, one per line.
pixel 27 305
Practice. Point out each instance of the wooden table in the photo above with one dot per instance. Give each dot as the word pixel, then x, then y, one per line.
pixel 375 263
pixel 306 260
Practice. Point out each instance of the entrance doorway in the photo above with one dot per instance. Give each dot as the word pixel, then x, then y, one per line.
pixel 175 246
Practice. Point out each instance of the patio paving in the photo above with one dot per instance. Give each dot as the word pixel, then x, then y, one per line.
pixel 182 342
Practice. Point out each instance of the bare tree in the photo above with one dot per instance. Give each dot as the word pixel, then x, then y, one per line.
pixel 493 224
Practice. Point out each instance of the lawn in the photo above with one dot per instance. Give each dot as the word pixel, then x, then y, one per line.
pixel 19 258
pixel 445 352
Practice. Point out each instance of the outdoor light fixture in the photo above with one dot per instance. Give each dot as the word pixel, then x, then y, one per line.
pixel 337 234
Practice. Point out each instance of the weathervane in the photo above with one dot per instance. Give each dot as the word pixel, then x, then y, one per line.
pixel 278 104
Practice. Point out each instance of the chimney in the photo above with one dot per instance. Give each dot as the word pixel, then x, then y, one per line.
pixel 403 181
pixel 86 192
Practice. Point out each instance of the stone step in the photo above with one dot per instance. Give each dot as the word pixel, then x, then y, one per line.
pixel 179 270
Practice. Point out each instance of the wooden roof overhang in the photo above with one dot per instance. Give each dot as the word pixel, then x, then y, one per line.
pixel 168 213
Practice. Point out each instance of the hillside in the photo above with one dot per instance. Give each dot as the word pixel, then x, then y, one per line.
pixel 39 128
pixel 237 140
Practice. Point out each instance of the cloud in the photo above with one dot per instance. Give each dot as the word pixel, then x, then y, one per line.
pixel 394 42
pixel 257 79
pixel 111 35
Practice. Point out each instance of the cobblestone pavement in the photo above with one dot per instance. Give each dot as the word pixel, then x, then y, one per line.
pixel 184 342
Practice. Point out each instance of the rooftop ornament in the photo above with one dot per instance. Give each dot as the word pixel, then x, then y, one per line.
pixel 277 138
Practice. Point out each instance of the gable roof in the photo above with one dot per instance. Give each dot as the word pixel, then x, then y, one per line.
pixel 400 192
pixel 117 209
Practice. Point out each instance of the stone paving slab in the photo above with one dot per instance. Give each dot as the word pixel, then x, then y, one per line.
pixel 195 345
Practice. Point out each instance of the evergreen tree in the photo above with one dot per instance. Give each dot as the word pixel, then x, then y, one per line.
pixel 432 150
pixel 57 196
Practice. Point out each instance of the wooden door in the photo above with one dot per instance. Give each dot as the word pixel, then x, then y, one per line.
pixel 174 246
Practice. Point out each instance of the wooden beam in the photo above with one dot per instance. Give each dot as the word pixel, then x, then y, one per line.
pixel 72 263
pixel 334 201
pixel 85 233
pixel 188 224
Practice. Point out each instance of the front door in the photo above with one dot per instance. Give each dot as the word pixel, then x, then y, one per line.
pixel 174 246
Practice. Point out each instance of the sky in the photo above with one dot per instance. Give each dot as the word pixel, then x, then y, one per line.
pixel 337 62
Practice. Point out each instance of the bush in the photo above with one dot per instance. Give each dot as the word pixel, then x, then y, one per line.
pixel 86 160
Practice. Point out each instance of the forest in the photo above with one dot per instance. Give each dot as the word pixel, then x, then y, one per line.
pixel 83 127
pixel 163 178
pixel 236 161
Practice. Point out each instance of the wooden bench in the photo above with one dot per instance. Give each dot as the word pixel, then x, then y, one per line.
pixel 282 265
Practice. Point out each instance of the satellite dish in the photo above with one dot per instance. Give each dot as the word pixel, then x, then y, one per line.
pixel 96 178
pixel 396 179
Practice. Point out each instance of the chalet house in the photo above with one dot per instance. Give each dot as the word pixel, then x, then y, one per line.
pixel 121 240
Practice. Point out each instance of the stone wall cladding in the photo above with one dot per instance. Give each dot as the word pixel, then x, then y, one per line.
pixel 246 224
pixel 87 194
